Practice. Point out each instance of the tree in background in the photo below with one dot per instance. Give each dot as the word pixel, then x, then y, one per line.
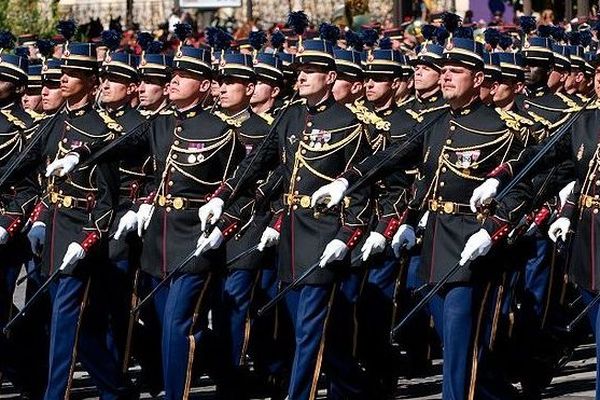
pixel 26 16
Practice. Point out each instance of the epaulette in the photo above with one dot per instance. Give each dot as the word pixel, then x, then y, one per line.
pixel 35 115
pixel 146 113
pixel 415 115
pixel 594 105
pixel 570 103
pixel 366 116
pixel 227 119
pixel 512 119
pixel 540 119
pixel 267 117
pixel 13 119
pixel 166 112
pixel 109 122
pixel 583 98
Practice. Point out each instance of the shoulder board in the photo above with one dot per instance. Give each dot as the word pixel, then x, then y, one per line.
pixel 593 106
pixel 583 98
pixel 267 117
pixel 166 112
pixel 415 115
pixel 363 114
pixel 569 102
pixel 109 122
pixel 35 115
pixel 13 119
pixel 405 101
pixel 512 119
pixel 227 120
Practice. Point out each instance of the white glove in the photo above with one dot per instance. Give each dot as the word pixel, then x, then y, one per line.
pixel 270 237
pixel 62 166
pixel 478 245
pixel 211 242
pixel 143 217
pixel 74 253
pixel 374 244
pixel 565 192
pixel 210 212
pixel 37 237
pixel 484 193
pixel 334 251
pixel 404 237
pixel 127 223
pixel 334 190
pixel 423 221
pixel 559 229
pixel 3 235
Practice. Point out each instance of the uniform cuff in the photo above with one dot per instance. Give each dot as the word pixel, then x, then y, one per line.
pixel 349 235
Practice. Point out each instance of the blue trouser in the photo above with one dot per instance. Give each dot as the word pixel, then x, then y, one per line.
pixel 377 313
pixel 537 276
pixel 594 318
pixel 453 316
pixel 308 307
pixel 70 335
pixel 118 304
pixel 184 328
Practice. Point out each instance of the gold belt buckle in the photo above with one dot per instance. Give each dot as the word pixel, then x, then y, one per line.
pixel 433 205
pixel 589 201
pixel 346 201
pixel 162 201
pixel 305 201
pixel 67 201
pixel 449 207
pixel 178 203
pixel 53 197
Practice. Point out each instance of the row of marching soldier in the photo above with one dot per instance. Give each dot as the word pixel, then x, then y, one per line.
pixel 309 209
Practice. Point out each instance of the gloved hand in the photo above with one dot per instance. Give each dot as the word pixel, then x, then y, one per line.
pixel 143 217
pixel 334 190
pixel 4 236
pixel 559 229
pixel 374 244
pixel 484 193
pixel 74 253
pixel 334 251
pixel 37 237
pixel 423 221
pixel 270 237
pixel 62 166
pixel 127 223
pixel 478 245
pixel 210 212
pixel 565 192
pixel 404 237
pixel 213 241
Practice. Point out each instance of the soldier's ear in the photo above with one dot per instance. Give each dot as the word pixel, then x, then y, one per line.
pixel 132 88
pixel 478 78
pixel 357 87
pixel 275 92
pixel 331 77
pixel 395 84
pixel 250 88
pixel 166 89
pixel 519 86
pixel 205 85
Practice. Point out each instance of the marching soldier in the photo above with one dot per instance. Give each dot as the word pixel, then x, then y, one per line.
pixel 457 151
pixel 269 84
pixel 155 73
pixel 32 98
pixel 314 142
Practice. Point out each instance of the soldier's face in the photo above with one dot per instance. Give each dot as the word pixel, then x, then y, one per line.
pixel 426 78
pixel 345 91
pixel 186 86
pixel 573 83
pixel 506 92
pixel 264 92
pixel 114 90
pixel 235 93
pixel 214 89
pixel 597 81
pixel 379 88
pixel 557 79
pixel 535 75
pixel 75 82
pixel 32 101
pixel 51 97
pixel 314 81
pixel 488 90
pixel 459 82
pixel 151 93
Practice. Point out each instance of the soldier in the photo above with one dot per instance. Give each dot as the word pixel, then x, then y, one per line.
pixel 269 83
pixel 492 74
pixel 314 142
pixel 579 145
pixel 78 210
pixel 32 98
pixel 155 73
pixel 349 87
pixel 454 152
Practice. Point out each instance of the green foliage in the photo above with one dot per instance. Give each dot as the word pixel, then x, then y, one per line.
pixel 26 16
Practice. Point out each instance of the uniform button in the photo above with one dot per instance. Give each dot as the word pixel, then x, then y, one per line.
pixel 68 128
pixel 294 207
pixel 309 124
pixel 446 156
pixel 65 140
pixel 168 209
pixel 303 152
pixel 526 106
pixel 169 196
pixel 448 141
pixel 60 192
pixel 444 169
pixel 174 156
pixel 595 211
pixel 298 178
pixel 176 142
pixel 295 192
pixel 452 128
pixel 172 169
pixel 306 138
pixel 596 196
pixel 440 198
pixel 178 129
pixel 170 183
pixel 597 183
pixel 442 184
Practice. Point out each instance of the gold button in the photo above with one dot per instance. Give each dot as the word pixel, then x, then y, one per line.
pixel 448 141
pixel 170 183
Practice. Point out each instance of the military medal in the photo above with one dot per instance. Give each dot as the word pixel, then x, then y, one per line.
pixel 580 152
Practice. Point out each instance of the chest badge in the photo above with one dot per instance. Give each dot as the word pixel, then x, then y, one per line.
pixel 319 138
pixel 249 148
pixel 580 152
pixel 292 139
pixel 466 159
pixel 194 147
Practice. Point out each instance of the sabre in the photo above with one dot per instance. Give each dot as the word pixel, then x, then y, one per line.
pixel 583 313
